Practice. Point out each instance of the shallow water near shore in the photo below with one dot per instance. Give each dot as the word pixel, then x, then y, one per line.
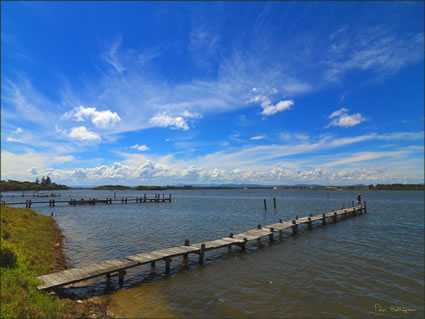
pixel 370 265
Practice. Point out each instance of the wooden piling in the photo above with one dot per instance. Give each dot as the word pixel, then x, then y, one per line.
pixel 258 226
pixel 324 219
pixel 335 218
pixel 201 254
pixel 169 198
pixel 167 265
pixel 265 204
pixel 274 202
pixel 309 223
pixel 280 220
pixel 243 244
pixel 294 227
pixel 364 204
pixel 121 274
pixel 271 234
pixel 186 243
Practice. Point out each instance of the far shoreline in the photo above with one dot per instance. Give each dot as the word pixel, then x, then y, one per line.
pixel 39 189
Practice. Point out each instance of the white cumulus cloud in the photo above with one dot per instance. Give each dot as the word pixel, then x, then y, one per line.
pixel 83 134
pixel 101 119
pixel 165 120
pixel 343 119
pixel 141 148
pixel 270 109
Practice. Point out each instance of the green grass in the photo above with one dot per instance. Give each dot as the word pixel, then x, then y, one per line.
pixel 31 237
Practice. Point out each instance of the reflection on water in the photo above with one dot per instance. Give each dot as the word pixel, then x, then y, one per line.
pixel 337 270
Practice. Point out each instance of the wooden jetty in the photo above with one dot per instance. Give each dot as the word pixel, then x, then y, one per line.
pixel 93 201
pixel 119 265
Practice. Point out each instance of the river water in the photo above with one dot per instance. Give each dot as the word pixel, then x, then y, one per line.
pixel 370 265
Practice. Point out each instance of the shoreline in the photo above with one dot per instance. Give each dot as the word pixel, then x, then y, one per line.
pixel 32 245
pixel 96 307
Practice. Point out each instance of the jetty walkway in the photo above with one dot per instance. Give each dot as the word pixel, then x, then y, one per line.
pixel 119 265
pixel 93 201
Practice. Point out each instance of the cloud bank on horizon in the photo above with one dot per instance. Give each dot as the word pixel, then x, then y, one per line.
pixel 164 93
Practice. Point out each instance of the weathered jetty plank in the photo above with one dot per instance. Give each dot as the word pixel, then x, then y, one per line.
pixel 107 267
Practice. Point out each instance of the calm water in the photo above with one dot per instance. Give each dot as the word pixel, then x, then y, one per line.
pixel 338 270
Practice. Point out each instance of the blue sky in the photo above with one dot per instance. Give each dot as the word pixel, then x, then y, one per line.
pixel 210 92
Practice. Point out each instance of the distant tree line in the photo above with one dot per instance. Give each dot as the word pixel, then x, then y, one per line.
pixel 397 187
pixel 44 184
pixel 136 188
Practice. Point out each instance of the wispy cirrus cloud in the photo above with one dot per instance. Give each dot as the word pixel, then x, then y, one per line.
pixel 257 138
pixel 375 49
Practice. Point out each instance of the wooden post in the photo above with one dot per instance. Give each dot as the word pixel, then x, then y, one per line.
pixel 271 234
pixel 29 203
pixel 121 274
pixel 167 265
pixel 294 227
pixel 126 200
pixel 144 197
pixel 163 197
pixel 53 203
pixel 201 254
pixel 26 204
pixel 364 203
pixel 309 222
pixel 265 204
pixel 352 203
pixel 324 219
pixel 153 264
pixel 258 226
pixel 274 202
pixel 243 245
pixel 169 199
pixel 335 218
pixel 280 220
pixel 230 245
pixel 186 243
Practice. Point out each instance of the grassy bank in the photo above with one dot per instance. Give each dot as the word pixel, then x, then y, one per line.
pixel 31 245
